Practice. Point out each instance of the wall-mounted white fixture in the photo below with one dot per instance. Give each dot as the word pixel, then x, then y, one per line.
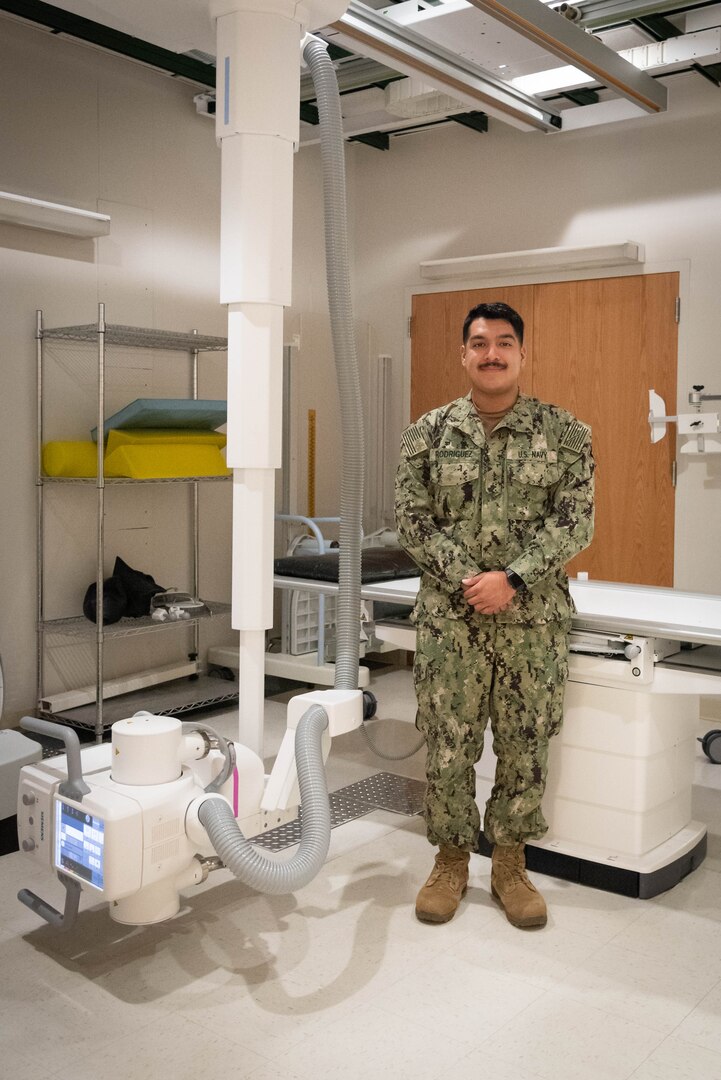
pixel 38 214
pixel 205 104
pixel 702 428
pixel 526 262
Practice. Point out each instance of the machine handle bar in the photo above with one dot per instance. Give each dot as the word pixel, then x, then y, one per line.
pixel 74 787
pixel 46 911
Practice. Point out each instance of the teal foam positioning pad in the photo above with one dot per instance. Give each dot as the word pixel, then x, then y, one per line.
pixel 201 415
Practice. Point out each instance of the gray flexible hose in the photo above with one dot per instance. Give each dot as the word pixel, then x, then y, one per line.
pixel 325 83
pixel 245 861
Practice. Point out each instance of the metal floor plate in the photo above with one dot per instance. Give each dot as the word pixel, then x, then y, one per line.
pixel 383 791
pixel 387 791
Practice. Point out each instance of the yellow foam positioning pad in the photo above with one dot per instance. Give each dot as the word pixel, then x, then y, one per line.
pixel 148 461
pixel 154 437
pixel 75 459
pixel 149 456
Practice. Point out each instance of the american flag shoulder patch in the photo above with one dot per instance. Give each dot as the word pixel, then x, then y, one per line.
pixel 413 441
pixel 575 436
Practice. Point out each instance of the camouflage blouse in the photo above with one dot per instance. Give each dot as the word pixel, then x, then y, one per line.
pixel 521 499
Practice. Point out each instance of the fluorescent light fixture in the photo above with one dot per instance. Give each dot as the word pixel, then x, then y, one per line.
pixel 363 30
pixel 544 82
pixel 523 262
pixel 37 214
pixel 558 36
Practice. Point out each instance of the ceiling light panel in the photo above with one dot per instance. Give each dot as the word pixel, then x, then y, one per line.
pixel 552 80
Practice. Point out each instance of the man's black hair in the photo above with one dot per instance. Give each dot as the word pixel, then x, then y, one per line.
pixel 494 311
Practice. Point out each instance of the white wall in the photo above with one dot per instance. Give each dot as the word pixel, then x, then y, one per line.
pixel 314 384
pixel 450 193
pixel 87 129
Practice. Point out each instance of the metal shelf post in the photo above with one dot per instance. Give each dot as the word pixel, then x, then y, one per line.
pixel 99 576
pixel 40 523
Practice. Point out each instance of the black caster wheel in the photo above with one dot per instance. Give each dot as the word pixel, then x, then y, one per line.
pixel 711 745
pixel 370 705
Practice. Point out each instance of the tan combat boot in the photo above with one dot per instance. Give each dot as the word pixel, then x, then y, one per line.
pixel 438 900
pixel 523 904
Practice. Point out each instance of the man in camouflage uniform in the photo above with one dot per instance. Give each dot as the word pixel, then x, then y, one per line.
pixel 494 494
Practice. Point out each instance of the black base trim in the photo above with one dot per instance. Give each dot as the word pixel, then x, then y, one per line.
pixel 609 878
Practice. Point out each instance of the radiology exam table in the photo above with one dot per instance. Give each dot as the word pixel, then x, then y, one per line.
pixel 618 801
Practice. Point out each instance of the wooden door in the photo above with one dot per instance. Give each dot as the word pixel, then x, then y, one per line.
pixel 596 348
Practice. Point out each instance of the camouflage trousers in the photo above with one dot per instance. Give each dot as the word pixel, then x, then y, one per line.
pixel 466 674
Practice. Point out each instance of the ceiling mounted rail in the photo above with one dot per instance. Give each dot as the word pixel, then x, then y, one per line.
pixel 597 14
pixel 559 36
pixel 363 30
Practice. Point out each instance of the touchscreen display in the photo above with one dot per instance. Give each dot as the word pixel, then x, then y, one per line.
pixel 79 843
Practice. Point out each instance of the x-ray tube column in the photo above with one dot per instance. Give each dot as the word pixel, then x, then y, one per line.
pixel 257 125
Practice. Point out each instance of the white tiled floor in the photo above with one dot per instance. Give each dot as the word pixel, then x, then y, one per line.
pixel 341 980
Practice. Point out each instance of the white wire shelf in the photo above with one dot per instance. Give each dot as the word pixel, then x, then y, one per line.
pixel 77 626
pixel 171 699
pixel 139 337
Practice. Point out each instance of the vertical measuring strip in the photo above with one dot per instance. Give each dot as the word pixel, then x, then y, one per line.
pixel 311 462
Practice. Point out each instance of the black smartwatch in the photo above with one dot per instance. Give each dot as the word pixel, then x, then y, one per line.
pixel 515 581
